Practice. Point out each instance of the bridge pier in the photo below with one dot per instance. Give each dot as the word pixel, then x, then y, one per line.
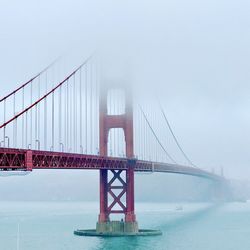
pixel 125 187
pixel 128 226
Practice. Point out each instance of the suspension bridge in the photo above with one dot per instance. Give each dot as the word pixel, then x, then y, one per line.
pixel 77 122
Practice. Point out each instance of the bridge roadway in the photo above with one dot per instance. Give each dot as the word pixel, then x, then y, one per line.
pixel 12 159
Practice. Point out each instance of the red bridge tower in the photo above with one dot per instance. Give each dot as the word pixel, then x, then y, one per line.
pixel 126 184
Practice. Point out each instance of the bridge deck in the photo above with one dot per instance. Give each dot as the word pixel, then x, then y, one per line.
pixel 26 160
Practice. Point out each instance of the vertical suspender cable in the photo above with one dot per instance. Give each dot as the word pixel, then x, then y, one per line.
pixel 110 141
pixel 4 118
pixel 45 113
pixel 114 130
pixel 142 132
pixel 73 113
pixel 156 145
pixel 81 146
pixel 144 143
pixel 22 118
pixel 38 107
pixel 97 104
pixel 53 121
pixel 60 115
pixel 118 130
pixel 70 117
pixel 86 108
pixel 140 135
pixel 75 118
pixel 31 118
pixel 142 139
pixel 141 129
pixel 14 123
pixel 90 108
pixel 155 141
pixel 67 116
pixel 157 150
pixel 36 125
pixel 94 109
pixel 26 129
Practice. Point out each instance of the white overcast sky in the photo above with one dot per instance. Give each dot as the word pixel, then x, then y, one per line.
pixel 196 53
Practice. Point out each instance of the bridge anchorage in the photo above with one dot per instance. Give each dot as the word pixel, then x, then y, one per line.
pixel 111 180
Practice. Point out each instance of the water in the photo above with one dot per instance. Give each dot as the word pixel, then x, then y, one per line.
pixel 50 226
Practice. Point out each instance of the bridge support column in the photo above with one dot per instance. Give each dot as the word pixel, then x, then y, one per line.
pixel 103 216
pixel 28 160
pixel 130 213
pixel 115 184
pixel 126 184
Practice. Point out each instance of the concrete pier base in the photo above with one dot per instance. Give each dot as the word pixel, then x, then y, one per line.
pixel 117 229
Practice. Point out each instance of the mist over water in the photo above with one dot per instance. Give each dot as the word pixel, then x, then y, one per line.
pixel 50 225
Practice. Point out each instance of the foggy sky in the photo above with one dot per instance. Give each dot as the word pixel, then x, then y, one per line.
pixel 195 53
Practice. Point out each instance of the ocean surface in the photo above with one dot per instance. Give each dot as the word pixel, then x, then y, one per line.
pixel 198 226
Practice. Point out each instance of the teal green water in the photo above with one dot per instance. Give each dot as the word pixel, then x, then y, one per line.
pixel 50 226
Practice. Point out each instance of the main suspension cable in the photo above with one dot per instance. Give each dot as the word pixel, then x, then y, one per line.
pixel 156 137
pixel 29 81
pixel 175 138
pixel 46 95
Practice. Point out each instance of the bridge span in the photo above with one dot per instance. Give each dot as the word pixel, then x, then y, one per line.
pixel 26 160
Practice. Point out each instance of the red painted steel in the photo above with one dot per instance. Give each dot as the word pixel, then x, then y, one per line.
pixel 16 159
pixel 116 197
pixel 44 97
pixel 107 122
pixel 28 82
pixel 28 160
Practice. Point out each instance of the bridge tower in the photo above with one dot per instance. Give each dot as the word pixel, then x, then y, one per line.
pixel 109 177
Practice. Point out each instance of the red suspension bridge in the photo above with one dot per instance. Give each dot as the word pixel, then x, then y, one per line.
pixel 79 123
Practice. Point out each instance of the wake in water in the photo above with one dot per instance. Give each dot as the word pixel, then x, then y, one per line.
pixel 188 217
